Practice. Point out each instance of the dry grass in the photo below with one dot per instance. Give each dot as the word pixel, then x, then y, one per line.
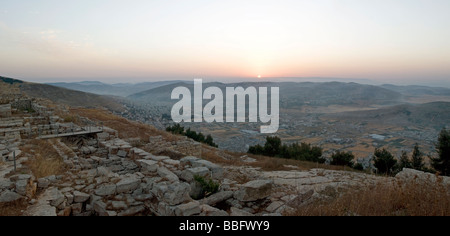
pixel 126 128
pixel 275 164
pixel 264 162
pixel 387 199
pixel 213 155
pixel 14 208
pixel 44 160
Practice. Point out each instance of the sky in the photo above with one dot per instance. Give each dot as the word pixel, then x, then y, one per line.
pixel 394 41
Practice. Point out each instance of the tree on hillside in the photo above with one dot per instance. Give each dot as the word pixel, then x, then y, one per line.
pixel 342 159
pixel 199 137
pixel 272 146
pixel 176 129
pixel 442 162
pixel 417 158
pixel 404 161
pixel 384 161
pixel 210 141
pixel 257 150
pixel 311 153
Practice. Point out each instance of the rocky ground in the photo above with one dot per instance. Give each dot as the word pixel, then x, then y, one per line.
pixel 109 177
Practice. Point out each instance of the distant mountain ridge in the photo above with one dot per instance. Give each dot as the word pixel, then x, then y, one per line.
pixel 121 89
pixel 293 94
pixel 63 95
pixel 418 90
pixel 10 80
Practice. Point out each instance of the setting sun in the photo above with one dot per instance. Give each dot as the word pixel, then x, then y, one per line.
pixel 259 76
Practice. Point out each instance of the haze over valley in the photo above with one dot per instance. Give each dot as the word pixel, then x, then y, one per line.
pixel 334 115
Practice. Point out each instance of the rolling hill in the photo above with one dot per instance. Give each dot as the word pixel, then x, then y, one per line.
pixel 123 89
pixel 414 90
pixel 62 95
pixel 293 95
pixel 434 114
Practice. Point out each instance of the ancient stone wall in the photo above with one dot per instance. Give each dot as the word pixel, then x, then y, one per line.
pixel 22 104
pixel 5 111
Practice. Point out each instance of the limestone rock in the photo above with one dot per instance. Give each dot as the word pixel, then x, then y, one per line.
pixel 21 187
pixel 272 214
pixel 408 175
pixel 196 190
pixel 41 210
pixel 274 206
pixel 69 198
pixel 111 213
pixel 46 205
pixel 43 183
pixel 301 198
pixel 118 205
pixel 127 185
pixel 254 190
pixel 65 212
pixel 77 208
pixel 6 184
pixel 106 189
pixel 8 196
pixel 173 194
pixel 54 196
pixel 148 165
pixel 217 171
pixel 171 162
pixel 122 153
pixel 105 172
pixel 100 208
pixel 188 209
pixel 238 212
pixel 80 197
pixel 96 159
pixel 217 198
pixel 159 158
pixel 287 210
pixel 188 174
pixel 163 209
pixel 207 210
pixel 143 197
pixel 132 211
pixel 166 173
pixel 188 160
pixel 20 177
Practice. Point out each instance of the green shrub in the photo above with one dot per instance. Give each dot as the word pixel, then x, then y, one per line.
pixel 417 158
pixel 442 162
pixel 208 185
pixel 384 161
pixel 199 137
pixel 358 166
pixel 342 159
pixel 274 148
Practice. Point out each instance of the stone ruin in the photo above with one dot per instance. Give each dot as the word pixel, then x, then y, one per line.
pixel 5 111
pixel 24 118
pixel 107 176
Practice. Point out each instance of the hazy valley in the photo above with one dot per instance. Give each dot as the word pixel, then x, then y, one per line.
pixel 334 115
pixel 82 154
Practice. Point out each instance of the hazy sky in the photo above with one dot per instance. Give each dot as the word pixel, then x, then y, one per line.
pixel 383 40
